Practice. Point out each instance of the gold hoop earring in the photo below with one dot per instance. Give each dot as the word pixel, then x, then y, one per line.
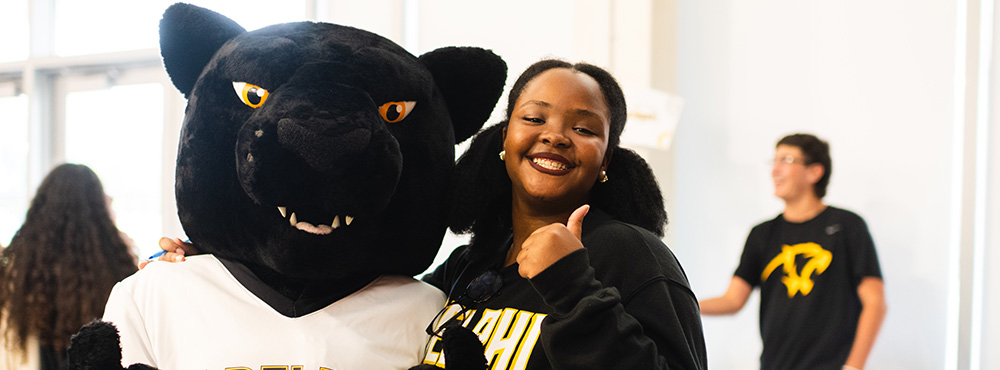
pixel 604 175
pixel 502 153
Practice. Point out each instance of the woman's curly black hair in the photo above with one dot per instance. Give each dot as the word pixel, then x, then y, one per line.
pixel 481 196
pixel 59 269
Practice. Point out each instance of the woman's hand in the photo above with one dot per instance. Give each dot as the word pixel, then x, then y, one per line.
pixel 550 243
pixel 175 251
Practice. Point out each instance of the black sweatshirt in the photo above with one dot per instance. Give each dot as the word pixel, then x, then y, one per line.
pixel 623 302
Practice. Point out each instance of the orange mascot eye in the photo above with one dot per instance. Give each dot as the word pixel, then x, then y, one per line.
pixel 250 94
pixel 395 111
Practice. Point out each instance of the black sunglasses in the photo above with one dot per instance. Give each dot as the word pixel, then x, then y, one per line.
pixel 481 289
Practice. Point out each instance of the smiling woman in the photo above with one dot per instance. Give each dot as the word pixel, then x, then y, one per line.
pixel 569 223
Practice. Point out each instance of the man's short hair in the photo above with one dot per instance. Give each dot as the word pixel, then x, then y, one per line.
pixel 816 151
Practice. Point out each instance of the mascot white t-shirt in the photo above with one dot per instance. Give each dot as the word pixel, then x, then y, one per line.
pixel 196 315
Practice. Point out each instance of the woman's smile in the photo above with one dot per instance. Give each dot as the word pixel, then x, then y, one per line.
pixel 552 164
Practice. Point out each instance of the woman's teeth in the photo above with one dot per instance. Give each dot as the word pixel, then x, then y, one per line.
pixel 549 164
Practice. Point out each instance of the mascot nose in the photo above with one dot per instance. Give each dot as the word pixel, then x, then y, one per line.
pixel 322 150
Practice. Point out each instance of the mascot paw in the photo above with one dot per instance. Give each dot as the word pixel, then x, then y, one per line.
pixel 462 349
pixel 97 347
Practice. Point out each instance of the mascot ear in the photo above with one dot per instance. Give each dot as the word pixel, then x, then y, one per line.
pixel 189 37
pixel 471 80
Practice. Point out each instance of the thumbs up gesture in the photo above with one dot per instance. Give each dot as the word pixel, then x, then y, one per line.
pixel 549 243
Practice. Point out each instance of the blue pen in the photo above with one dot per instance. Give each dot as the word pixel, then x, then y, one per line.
pixel 162 252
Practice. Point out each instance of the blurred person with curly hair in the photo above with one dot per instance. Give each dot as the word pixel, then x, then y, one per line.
pixel 58 270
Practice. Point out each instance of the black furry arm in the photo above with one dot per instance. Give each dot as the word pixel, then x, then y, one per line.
pixel 97 347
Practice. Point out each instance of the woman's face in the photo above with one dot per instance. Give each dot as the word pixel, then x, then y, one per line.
pixel 557 138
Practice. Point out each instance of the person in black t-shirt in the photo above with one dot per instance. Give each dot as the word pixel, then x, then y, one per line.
pixel 822 299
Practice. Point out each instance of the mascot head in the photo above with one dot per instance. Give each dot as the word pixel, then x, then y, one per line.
pixel 318 151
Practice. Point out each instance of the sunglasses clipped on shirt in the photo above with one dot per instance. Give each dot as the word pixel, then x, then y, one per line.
pixel 481 289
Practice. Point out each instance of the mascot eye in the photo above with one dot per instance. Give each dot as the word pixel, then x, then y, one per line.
pixel 251 95
pixel 395 111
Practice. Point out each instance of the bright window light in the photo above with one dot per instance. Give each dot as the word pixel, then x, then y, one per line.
pixel 118 133
pixel 14 18
pixel 88 27
pixel 14 166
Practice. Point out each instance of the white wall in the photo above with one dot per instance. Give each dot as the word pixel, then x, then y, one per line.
pixel 519 37
pixel 874 78
pixel 991 299
pixel 991 257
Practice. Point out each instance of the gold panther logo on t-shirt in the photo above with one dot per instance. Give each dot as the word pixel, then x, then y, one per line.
pixel 818 260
